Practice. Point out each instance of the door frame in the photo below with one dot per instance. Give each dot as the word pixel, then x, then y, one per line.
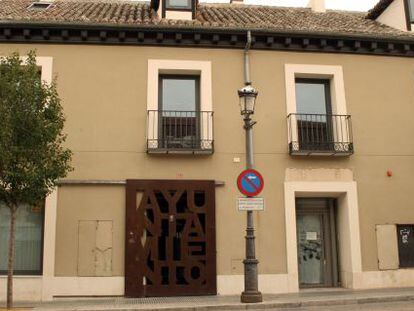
pixel 348 228
pixel 326 208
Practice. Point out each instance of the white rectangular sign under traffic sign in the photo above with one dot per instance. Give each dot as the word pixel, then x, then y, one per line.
pixel 250 204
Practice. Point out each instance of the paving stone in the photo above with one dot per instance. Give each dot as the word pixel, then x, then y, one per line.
pixel 306 299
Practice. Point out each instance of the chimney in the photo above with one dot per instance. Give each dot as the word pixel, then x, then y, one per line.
pixel 317 6
pixel 236 1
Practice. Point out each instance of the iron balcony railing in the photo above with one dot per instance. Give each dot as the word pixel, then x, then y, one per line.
pixel 180 131
pixel 320 134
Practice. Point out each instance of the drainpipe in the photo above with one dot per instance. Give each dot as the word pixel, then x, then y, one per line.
pixel 247 80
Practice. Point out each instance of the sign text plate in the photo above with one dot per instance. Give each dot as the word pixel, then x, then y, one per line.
pixel 250 204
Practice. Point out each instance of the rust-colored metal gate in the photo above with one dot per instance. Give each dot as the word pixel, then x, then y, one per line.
pixel 170 247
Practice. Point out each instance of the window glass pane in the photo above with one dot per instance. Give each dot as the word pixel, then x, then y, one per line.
pixel 310 98
pixel 179 94
pixel 185 4
pixel 311 249
pixel 29 232
pixel 411 9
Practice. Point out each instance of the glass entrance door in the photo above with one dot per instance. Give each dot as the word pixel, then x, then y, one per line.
pixel 316 241
pixel 311 250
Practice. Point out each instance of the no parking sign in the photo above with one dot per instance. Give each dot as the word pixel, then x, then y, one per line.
pixel 250 183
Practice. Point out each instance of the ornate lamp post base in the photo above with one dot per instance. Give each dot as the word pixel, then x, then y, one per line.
pixel 251 292
pixel 251 297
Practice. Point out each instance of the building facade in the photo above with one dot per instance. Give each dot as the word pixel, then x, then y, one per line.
pixel 150 96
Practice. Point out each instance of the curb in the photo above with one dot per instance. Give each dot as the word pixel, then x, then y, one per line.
pixel 260 306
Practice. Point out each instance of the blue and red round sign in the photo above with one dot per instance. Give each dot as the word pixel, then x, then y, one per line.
pixel 250 183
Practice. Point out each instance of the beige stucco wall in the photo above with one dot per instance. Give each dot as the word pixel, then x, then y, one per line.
pixel 80 203
pixel 104 91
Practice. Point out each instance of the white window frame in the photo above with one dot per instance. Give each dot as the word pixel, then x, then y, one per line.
pixel 181 67
pixel 42 285
pixel 332 73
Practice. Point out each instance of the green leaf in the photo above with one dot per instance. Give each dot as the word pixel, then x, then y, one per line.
pixel 32 152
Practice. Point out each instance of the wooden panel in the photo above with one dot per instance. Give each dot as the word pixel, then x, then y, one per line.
pixel 86 248
pixel 387 247
pixel 170 238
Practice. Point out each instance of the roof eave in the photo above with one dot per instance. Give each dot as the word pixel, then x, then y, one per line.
pixel 219 29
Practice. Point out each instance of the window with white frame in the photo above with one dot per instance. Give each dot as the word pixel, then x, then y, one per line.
pixel 314 113
pixel 179 107
pixel 179 111
pixel 29 219
pixel 29 239
pixel 317 119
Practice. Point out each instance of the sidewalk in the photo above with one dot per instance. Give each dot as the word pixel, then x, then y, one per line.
pixel 306 298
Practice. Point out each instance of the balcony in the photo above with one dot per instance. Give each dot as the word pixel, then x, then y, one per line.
pixel 182 132
pixel 320 134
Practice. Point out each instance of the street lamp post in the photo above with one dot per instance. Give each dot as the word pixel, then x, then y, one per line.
pixel 251 294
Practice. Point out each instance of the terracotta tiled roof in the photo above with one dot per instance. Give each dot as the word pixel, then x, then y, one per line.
pixel 377 10
pixel 209 16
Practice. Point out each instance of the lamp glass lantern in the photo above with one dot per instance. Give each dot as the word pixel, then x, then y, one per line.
pixel 247 99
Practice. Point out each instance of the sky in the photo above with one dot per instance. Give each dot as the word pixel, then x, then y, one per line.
pixel 348 5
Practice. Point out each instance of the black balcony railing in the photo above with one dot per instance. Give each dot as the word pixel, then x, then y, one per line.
pixel 180 131
pixel 320 134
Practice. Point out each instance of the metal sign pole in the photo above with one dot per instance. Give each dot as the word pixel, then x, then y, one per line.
pixel 251 293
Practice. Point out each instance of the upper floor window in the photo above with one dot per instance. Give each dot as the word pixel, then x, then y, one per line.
pixel 313 96
pixel 179 112
pixel 39 5
pixel 29 239
pixel 411 10
pixel 179 93
pixel 178 4
pixel 316 129
pixel 313 107
pixel 179 120
pixel 39 72
pixel 317 120
pixel 180 116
